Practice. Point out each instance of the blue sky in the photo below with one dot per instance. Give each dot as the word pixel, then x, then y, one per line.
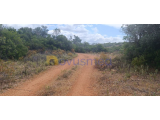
pixel 92 33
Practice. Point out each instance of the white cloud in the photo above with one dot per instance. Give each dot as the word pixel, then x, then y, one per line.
pixel 114 25
pixel 85 35
pixel 17 26
pixel 98 38
pixel 89 25
pixel 95 30
pixel 73 28
pixel 50 31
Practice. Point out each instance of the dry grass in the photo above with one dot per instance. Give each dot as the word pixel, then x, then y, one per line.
pixel 13 72
pixel 65 74
pixel 61 86
pixel 125 80
pixel 120 84
pixel 70 54
pixel 102 62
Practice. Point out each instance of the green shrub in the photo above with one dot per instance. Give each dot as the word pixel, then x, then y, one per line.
pixel 11 45
pixel 138 61
pixel 46 64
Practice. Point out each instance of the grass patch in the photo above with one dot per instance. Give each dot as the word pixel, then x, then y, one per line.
pixel 48 91
pixel 66 74
pixel 123 79
pixel 12 72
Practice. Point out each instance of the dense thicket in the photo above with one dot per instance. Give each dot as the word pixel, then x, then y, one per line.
pixel 15 43
pixel 11 45
pixel 143 44
pixel 113 47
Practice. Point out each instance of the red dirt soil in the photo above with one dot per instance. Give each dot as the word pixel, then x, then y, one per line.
pixel 82 86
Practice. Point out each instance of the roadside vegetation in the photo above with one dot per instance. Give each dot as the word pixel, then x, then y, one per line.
pixel 14 71
pixel 135 68
pixel 128 68
pixel 124 79
pixel 23 52
pixel 15 44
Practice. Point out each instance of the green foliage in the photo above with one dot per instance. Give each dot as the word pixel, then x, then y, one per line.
pixel 138 61
pixel 14 44
pixel 63 43
pixel 142 40
pixel 41 31
pixel 76 40
pixel 113 47
pixel 22 51
pixel 11 45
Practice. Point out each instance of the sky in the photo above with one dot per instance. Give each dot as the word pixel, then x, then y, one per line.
pixel 92 33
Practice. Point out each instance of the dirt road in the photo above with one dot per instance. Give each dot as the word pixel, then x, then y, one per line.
pixel 83 84
pixel 81 87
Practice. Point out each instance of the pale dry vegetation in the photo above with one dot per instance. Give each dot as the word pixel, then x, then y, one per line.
pixel 122 78
pixel 12 72
pixel 61 86
pixel 15 71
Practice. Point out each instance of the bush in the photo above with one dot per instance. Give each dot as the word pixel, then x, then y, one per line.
pixel 11 45
pixel 103 56
pixel 70 54
pixel 102 62
pixel 35 57
pixel 138 61
pixel 65 57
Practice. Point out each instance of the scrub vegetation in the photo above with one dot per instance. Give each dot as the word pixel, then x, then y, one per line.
pixel 127 68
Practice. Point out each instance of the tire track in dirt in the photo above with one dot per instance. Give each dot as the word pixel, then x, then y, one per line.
pixel 83 85
pixel 32 86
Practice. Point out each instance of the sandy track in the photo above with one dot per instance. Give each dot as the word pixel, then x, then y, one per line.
pixel 83 84
pixel 81 87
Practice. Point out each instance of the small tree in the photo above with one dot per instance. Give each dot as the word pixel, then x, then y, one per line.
pixel 56 32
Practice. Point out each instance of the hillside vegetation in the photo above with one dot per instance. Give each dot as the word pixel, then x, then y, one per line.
pixel 14 44
pixel 132 66
pixel 134 69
